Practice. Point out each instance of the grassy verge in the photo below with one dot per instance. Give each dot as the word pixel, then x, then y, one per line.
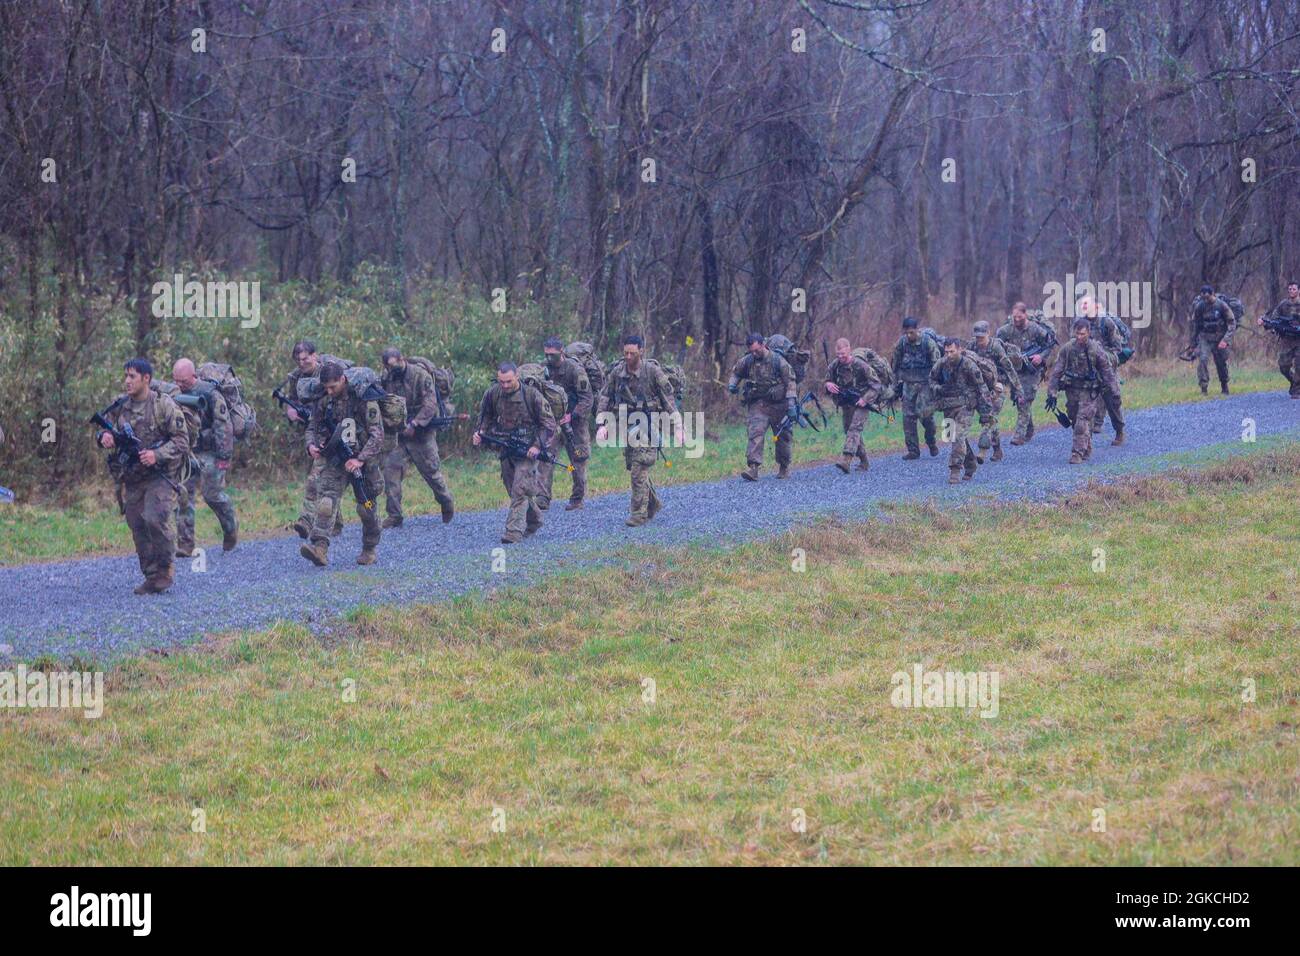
pixel 34 533
pixel 1122 690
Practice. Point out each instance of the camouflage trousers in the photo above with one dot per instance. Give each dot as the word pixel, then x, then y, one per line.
pixel 150 507
pixel 332 484
pixel 210 482
pixel 307 513
pixel 1084 406
pixel 1207 349
pixel 918 406
pixel 759 418
pixel 1025 409
pixel 519 475
pixel 639 461
pixel 421 451
pixel 855 419
pixel 962 454
pixel 578 448
pixel 990 437
pixel 1113 401
pixel 1288 363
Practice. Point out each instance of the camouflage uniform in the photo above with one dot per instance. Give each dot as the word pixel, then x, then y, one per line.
pixel 958 389
pixel 149 494
pixel 1212 322
pixel 996 353
pixel 523 413
pixel 1085 372
pixel 1288 359
pixel 416 386
pixel 1103 330
pixel 768 395
pixel 912 365
pixel 215 446
pixel 572 377
pixel 307 510
pixel 1032 336
pixel 334 481
pixel 858 375
pixel 645 390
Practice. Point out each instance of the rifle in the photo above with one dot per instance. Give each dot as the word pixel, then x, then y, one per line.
pixel 438 422
pixel 1061 417
pixel 303 412
pixel 1288 325
pixel 338 451
pixel 516 445
pixel 126 449
pixel 800 417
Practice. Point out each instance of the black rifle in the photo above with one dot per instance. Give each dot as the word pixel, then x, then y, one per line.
pixel 338 451
pixel 800 417
pixel 1061 417
pixel 516 445
pixel 438 422
pixel 1287 325
pixel 304 413
pixel 126 449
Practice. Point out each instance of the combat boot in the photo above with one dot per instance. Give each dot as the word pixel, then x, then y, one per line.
pixel 229 540
pixel 1076 458
pixel 302 528
pixel 997 452
pixel 783 471
pixel 317 553
pixel 970 472
pixel 636 521
pixel 448 512
pixel 532 529
pixel 933 446
pixel 153 586
pixel 1224 388
pixel 844 463
pixel 864 464
pixel 511 537
pixel 1118 439
pixel 391 522
pixel 1017 440
pixel 954 476
pixel 750 473
pixel 367 556
pixel 912 456
pixel 654 506
pixel 184 551
pixel 1205 389
pixel 573 506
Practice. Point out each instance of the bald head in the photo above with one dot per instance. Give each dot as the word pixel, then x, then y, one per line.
pixel 183 373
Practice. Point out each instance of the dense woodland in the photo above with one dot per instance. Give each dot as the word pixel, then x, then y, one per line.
pixel 668 167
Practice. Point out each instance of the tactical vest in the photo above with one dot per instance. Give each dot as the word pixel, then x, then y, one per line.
pixel 1211 317
pixel 915 358
pixel 1079 370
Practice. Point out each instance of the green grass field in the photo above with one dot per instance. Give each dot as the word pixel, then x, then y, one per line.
pixel 93 526
pixel 1158 694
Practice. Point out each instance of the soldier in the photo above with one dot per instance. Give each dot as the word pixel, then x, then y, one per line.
pixel 1288 360
pixel 1085 371
pixel 986 346
pixel 769 395
pixel 511 408
pixel 149 485
pixel 959 390
pixel 1213 324
pixel 309 363
pixel 634 385
pixel 1033 339
pixel 346 433
pixel 1103 331
pixel 213 450
pixel 847 371
pixel 572 377
pixel 915 356
pixel 417 442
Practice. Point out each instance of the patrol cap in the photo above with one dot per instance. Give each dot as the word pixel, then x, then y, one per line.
pixel 980 328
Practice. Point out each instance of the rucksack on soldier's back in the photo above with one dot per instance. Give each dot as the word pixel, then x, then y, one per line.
pixel 364 384
pixel 531 373
pixel 243 418
pixel 585 355
pixel 1232 302
pixel 798 358
pixel 987 369
pixel 443 380
pixel 676 378
pixel 877 363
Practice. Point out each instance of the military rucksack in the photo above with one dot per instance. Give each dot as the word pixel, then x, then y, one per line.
pixel 798 358
pixel 585 355
pixel 443 380
pixel 531 373
pixel 988 370
pixel 193 408
pixel 676 378
pixel 243 418
pixel 364 384
pixel 1232 302
pixel 878 365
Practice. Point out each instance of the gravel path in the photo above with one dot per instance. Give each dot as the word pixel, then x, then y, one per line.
pixel 86 607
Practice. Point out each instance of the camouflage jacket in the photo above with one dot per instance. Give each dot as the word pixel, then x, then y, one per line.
pixel 996 353
pixel 160 425
pixel 1032 336
pixel 770 378
pixel 913 361
pixel 1103 330
pixel 960 384
pixel 525 411
pixel 856 374
pixel 1082 366
pixel 1286 309
pixel 646 389
pixel 1212 318
pixel 290 386
pixel 368 426
pixel 572 377
pixel 415 385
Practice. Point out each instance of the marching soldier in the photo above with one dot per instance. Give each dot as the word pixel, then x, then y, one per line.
pixel 520 413
pixel 636 385
pixel 1103 332
pixel 213 451
pixel 769 395
pixel 149 483
pixel 1034 340
pixel 985 346
pixel 848 372
pixel 1085 371
pixel 959 391
pixel 1288 359
pixel 308 364
pixel 915 356
pixel 417 442
pixel 345 434
pixel 1213 325
pixel 572 377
